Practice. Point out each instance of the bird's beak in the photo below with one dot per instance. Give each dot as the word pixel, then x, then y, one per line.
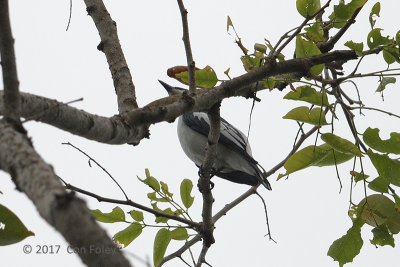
pixel 166 86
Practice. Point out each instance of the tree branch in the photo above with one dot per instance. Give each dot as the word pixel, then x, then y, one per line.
pixel 298 30
pixel 207 228
pixel 330 44
pixel 215 218
pixel 65 212
pixel 111 47
pixel 115 131
pixel 101 129
pixel 12 105
pixel 131 203
pixel 169 108
pixel 186 40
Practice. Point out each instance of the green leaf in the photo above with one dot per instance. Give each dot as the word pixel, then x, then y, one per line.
pixel 391 145
pixel 227 72
pixel 359 176
pixel 375 38
pixel 308 94
pixel 396 202
pixel 378 209
pixel 161 243
pixel 398 38
pixel 137 215
pixel 384 82
pixel 303 159
pixel 391 54
pixel 116 215
pixel 205 78
pixel 306 49
pixel 379 184
pixel 260 47
pixel 164 189
pixel 153 196
pixel 186 190
pixel 332 157
pixel 382 236
pixel 308 8
pixel 357 47
pixel 343 12
pixel 229 24
pixel 269 83
pixel 12 230
pixel 179 233
pixel 341 144
pixel 346 248
pixel 387 168
pixel 315 117
pixel 150 181
pixel 322 155
pixel 129 234
pixel 374 12
pixel 160 219
pixel 250 62
pixel 315 33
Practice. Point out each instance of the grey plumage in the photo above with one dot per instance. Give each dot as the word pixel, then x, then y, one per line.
pixel 234 160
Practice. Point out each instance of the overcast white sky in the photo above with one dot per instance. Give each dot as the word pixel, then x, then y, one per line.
pixel 306 212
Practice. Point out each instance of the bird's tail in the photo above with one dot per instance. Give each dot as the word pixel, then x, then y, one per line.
pixel 263 177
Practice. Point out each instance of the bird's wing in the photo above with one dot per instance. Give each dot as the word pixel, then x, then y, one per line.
pixel 229 136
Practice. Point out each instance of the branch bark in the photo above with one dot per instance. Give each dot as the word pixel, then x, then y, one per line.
pixel 169 108
pixel 111 47
pixel 186 40
pixel 207 228
pixel 116 130
pixel 9 68
pixel 65 212
pixel 93 127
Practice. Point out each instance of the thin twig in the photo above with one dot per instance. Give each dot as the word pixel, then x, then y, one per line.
pixel 302 138
pixel 180 251
pixel 202 256
pixel 70 15
pixel 131 203
pixel 266 216
pixel 188 49
pixel 376 109
pixel 298 30
pixel 205 175
pixel 252 190
pixel 327 46
pixel 99 165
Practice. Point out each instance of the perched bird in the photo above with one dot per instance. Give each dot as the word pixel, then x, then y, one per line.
pixel 233 161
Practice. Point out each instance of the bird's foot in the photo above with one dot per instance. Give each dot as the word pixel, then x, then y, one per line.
pixel 201 175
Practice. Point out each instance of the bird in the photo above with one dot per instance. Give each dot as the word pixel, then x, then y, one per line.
pixel 234 161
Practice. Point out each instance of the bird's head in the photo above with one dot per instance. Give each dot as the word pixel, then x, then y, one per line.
pixel 172 90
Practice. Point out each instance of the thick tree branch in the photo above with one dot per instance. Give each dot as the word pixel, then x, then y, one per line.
pixel 12 105
pixel 111 47
pixel 167 109
pixel 65 212
pixel 105 130
pixel 115 131
pixel 188 49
